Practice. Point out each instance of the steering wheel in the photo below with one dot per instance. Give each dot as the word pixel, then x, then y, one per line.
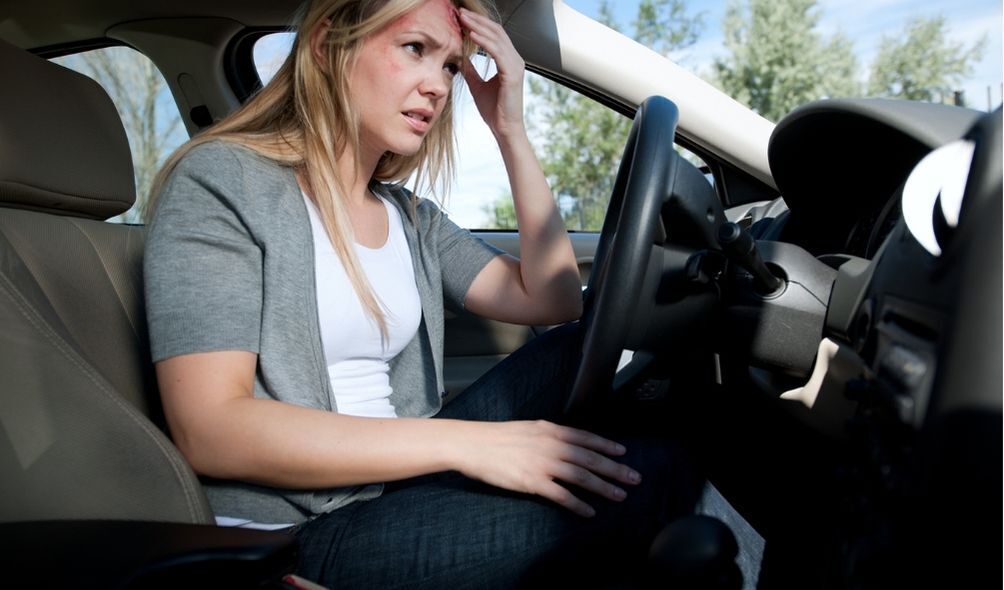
pixel 622 255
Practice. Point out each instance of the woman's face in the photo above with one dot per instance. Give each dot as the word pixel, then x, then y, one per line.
pixel 402 78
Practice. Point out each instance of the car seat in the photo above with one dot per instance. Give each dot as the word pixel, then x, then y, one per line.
pixel 80 426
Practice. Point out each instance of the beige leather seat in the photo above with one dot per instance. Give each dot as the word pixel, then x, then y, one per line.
pixel 79 413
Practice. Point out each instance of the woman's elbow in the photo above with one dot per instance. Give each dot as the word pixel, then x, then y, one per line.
pixel 205 451
pixel 195 452
pixel 571 300
pixel 573 310
pixel 565 309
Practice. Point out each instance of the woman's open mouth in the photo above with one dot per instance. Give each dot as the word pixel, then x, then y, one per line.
pixel 420 119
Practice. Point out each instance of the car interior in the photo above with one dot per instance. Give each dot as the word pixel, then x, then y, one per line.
pixel 820 324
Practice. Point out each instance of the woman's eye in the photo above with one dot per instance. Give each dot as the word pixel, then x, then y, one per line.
pixel 415 47
pixel 452 68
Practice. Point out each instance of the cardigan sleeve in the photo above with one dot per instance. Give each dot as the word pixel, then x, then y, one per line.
pixel 462 255
pixel 202 266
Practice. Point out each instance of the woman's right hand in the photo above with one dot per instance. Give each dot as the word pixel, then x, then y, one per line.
pixel 533 457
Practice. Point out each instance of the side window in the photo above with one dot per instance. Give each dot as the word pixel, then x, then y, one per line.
pixel 269 53
pixel 149 114
pixel 579 143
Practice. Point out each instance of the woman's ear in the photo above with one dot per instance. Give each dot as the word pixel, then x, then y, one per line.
pixel 318 42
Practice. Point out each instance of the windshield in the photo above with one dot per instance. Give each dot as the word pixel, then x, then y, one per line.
pixel 773 55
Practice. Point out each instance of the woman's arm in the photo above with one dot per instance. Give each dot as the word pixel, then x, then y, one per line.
pixel 225 432
pixel 543 285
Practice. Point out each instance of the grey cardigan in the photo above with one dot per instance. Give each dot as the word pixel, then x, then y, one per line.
pixel 229 265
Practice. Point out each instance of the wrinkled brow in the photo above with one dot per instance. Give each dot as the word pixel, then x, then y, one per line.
pixel 434 43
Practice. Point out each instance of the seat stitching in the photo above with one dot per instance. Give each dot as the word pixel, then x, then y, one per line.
pixel 25 309
pixel 35 266
pixel 102 197
pixel 108 273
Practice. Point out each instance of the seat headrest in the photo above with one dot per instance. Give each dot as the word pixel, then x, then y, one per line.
pixel 62 145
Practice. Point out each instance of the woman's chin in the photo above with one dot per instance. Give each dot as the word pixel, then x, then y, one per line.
pixel 405 151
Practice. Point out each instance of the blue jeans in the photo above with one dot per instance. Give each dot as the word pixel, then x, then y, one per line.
pixel 447 531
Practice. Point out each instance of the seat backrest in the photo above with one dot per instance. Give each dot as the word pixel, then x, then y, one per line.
pixel 79 413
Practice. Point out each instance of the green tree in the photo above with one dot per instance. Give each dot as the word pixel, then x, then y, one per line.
pixel 502 213
pixel 140 94
pixel 581 145
pixel 922 63
pixel 665 26
pixel 580 141
pixel 778 60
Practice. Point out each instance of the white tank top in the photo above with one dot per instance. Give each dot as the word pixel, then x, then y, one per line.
pixel 356 357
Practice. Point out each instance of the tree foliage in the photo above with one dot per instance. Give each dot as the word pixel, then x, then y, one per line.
pixel 778 60
pixel 139 92
pixel 665 25
pixel 580 141
pixel 502 212
pixel 922 63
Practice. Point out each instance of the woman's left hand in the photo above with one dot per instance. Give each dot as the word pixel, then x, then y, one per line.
pixel 499 99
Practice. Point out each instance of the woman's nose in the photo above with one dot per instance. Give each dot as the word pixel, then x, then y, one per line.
pixel 435 84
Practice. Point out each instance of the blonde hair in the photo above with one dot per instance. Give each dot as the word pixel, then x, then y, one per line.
pixel 304 119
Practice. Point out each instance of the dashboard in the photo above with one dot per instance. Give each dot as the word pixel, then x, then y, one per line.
pixel 901 403
pixel 841 165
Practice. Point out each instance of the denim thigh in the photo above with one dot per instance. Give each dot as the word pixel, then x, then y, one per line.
pixel 447 531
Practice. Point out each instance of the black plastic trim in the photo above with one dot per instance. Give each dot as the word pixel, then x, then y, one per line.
pixel 238 61
pixel 137 554
pixel 63 49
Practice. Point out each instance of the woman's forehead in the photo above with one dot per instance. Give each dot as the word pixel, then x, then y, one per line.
pixel 438 18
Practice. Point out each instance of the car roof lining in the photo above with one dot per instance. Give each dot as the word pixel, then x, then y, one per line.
pixel 30 25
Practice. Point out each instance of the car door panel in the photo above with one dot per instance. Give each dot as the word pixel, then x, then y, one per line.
pixel 475 344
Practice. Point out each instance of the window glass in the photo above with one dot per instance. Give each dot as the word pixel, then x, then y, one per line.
pixel 149 114
pixel 773 55
pixel 578 140
pixel 579 143
pixel 269 53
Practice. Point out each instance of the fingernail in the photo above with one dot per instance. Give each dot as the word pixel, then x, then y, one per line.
pixel 619 494
pixel 634 477
pixel 620 448
pixel 589 512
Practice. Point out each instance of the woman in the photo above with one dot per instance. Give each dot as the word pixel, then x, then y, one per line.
pixel 295 299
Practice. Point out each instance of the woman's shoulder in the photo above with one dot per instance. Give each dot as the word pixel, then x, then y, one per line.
pixel 222 157
pixel 222 173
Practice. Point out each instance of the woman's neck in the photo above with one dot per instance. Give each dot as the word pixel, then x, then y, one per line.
pixel 355 180
pixel 356 171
